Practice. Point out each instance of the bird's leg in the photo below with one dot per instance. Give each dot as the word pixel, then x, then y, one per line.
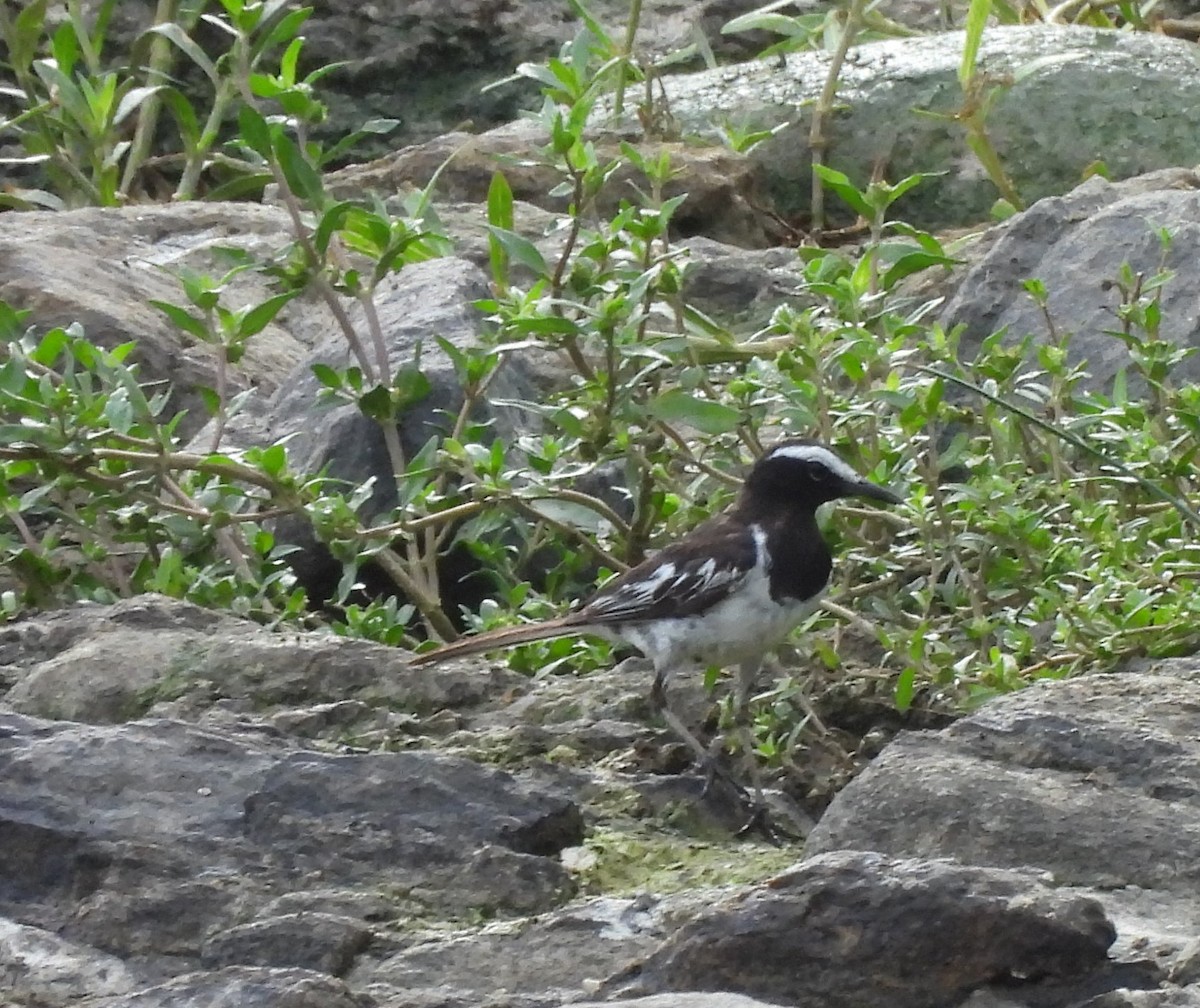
pixel 705 758
pixel 658 697
pixel 747 675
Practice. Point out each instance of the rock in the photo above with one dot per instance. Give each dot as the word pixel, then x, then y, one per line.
pixel 316 941
pixel 101 267
pixel 1186 997
pixel 682 999
pixel 146 839
pixel 1076 244
pixel 1095 780
pixel 425 302
pixel 724 192
pixel 38 967
pixel 240 987
pixel 556 957
pixel 106 664
pixel 1047 129
pixel 852 928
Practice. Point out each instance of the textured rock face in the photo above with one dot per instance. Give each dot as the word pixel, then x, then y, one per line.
pixel 228 862
pixel 843 928
pixel 1048 128
pixel 145 839
pixel 1094 780
pixel 1076 245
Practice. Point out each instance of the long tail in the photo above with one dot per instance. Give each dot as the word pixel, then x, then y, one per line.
pixel 496 640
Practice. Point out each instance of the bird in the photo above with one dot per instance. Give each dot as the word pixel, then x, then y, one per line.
pixel 726 593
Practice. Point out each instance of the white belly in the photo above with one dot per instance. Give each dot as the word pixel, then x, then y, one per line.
pixel 734 631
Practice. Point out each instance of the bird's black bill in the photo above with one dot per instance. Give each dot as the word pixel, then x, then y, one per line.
pixel 874 491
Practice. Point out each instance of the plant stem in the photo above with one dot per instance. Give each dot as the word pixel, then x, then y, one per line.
pixel 818 141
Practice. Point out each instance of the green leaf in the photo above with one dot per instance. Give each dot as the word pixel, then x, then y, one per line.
pixel 301 177
pixel 905 688
pixel 273 460
pixel 500 202
pixel 377 404
pixel 239 188
pixel 254 131
pixel 759 20
pixel 410 387
pixel 28 32
pixel 65 47
pixel 50 347
pixel 706 416
pixel 257 318
pixel 119 413
pixel 67 95
pixel 977 18
pixel 286 29
pixel 378 127
pixel 210 398
pixel 521 249
pixel 912 262
pixel 289 59
pixel 845 189
pixel 184 115
pixel 132 100
pixel 180 39
pixel 185 320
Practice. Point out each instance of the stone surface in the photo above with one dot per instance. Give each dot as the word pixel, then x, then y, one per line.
pixel 1047 129
pixel 560 956
pixel 724 200
pixel 852 928
pixel 1077 244
pixel 39 967
pixel 106 664
pixel 240 987
pixel 100 267
pixel 1094 780
pixel 145 839
pixel 317 941
pixel 222 863
pixel 681 999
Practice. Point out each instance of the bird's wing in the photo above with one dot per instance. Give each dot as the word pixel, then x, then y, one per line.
pixel 685 579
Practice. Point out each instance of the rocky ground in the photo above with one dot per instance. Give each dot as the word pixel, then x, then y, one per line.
pixel 197 811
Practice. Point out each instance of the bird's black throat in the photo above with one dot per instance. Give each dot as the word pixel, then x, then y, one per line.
pixel 800 561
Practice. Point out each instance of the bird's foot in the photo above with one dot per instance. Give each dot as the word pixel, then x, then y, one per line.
pixel 762 823
pixel 759 820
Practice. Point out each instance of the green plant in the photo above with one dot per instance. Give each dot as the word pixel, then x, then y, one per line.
pixel 91 123
pixel 1050 528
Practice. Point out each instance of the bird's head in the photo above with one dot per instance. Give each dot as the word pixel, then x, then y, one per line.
pixel 803 474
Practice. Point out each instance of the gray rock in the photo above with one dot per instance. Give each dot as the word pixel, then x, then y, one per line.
pixel 853 928
pixel 724 200
pixel 100 267
pixel 105 664
pixel 240 987
pixel 1183 997
pixel 1095 780
pixel 556 957
pixel 316 941
pixel 424 302
pixel 41 968
pixel 1076 244
pixel 678 1000
pixel 145 839
pixel 1047 129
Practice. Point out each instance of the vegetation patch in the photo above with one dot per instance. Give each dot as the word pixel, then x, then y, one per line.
pixel 1048 527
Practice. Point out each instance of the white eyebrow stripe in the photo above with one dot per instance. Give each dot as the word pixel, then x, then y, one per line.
pixel 819 454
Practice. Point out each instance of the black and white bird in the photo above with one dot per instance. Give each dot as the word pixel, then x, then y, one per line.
pixel 728 592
